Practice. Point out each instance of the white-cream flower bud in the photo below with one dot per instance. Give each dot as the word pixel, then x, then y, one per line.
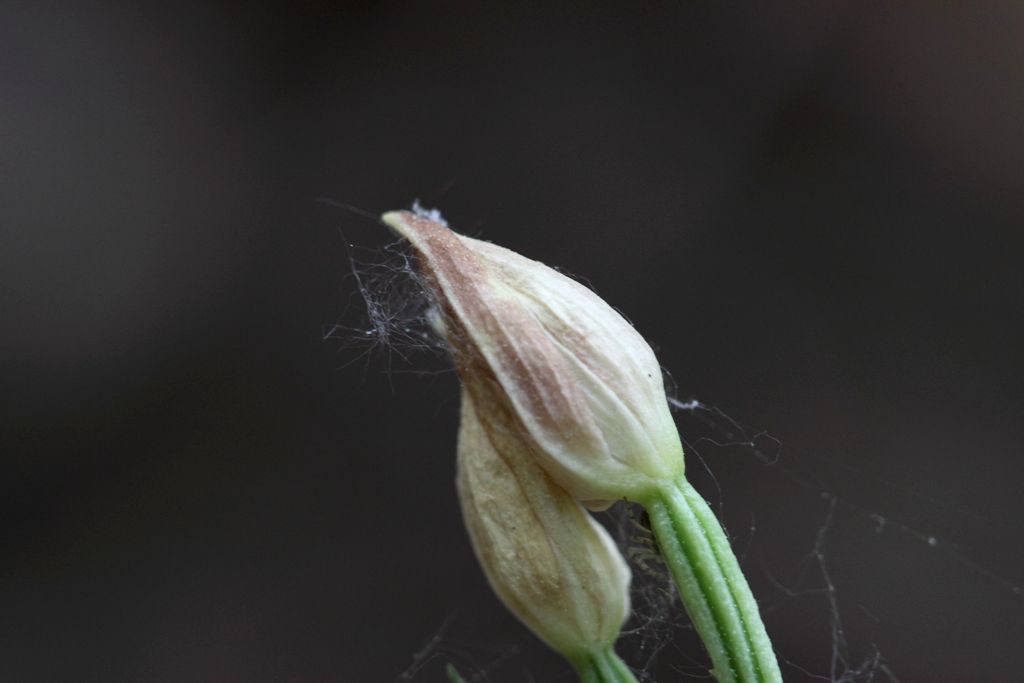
pixel 551 564
pixel 581 383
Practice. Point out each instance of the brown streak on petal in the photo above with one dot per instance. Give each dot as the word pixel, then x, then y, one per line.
pixel 523 360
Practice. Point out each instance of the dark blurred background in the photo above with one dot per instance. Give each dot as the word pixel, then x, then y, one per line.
pixel 811 209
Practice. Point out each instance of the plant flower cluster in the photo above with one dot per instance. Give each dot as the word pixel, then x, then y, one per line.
pixel 564 406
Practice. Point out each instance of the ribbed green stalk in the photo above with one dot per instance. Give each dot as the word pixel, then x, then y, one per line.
pixel 604 667
pixel 713 589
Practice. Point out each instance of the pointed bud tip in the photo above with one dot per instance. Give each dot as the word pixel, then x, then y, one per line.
pixel 422 230
pixel 399 222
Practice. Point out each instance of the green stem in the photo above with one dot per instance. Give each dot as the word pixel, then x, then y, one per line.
pixel 453 675
pixel 604 666
pixel 713 589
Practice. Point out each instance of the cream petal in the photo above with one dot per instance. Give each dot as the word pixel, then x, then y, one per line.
pixel 583 385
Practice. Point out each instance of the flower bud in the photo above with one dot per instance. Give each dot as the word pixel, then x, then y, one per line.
pixel 551 564
pixel 581 384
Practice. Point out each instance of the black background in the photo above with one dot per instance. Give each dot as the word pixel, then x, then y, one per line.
pixel 811 209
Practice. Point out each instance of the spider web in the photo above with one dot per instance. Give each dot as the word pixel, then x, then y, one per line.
pixel 395 331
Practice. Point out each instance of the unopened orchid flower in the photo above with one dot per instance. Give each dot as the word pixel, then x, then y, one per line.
pixel 581 381
pixel 552 565
pixel 545 357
